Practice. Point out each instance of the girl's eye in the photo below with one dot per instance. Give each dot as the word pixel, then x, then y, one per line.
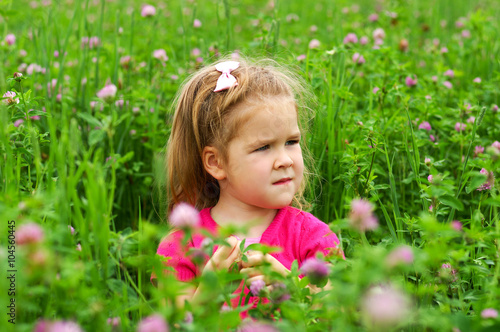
pixel 265 147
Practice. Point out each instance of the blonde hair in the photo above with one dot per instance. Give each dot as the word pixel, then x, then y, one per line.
pixel 203 117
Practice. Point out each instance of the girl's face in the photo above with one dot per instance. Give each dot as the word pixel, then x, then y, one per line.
pixel 265 166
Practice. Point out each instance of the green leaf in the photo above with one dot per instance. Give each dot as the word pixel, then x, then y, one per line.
pixel 304 282
pixel 492 201
pixel 344 93
pixel 476 180
pixel 126 157
pixel 96 136
pixel 242 245
pixel 89 119
pixel 293 312
pixel 263 248
pixel 452 202
pixel 295 266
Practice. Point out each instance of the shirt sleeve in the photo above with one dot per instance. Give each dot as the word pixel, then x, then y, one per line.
pixel 316 237
pixel 172 248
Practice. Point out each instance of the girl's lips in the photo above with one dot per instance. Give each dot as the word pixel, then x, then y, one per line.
pixel 283 182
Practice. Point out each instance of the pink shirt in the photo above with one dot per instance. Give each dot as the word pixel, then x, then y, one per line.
pixel 298 233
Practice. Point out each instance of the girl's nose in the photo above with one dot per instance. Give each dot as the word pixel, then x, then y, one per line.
pixel 283 160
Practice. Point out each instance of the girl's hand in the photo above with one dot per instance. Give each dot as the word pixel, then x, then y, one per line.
pixel 222 259
pixel 224 256
pixel 252 267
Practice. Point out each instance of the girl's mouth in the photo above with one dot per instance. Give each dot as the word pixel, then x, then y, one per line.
pixel 283 181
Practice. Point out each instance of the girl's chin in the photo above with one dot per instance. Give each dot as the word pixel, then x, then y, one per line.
pixel 279 205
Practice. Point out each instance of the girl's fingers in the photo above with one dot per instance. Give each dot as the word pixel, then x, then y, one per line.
pixel 259 277
pixel 254 258
pixel 276 265
pixel 250 271
pixel 224 256
pixel 234 257
pixel 232 241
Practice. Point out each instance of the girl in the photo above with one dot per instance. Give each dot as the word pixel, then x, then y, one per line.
pixel 235 154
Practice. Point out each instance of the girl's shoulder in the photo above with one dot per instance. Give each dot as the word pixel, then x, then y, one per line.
pixel 176 237
pixel 300 222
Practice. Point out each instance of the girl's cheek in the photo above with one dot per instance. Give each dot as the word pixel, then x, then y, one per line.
pixel 300 159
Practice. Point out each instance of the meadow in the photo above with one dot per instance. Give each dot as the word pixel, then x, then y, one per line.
pixel 405 105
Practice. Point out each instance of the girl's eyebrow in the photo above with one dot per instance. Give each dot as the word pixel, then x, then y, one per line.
pixel 260 142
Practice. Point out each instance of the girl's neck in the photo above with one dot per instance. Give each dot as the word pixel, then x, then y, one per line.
pixel 257 219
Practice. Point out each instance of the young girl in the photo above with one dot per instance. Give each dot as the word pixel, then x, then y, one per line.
pixel 235 154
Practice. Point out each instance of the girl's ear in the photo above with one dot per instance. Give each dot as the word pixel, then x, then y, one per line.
pixel 212 161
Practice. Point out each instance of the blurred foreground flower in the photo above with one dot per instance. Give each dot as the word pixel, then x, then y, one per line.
pixel 301 57
pixel 496 145
pixel 148 11
pixel 161 55
pixel 490 181
pixel 384 306
pixel 314 43
pixel 456 225
pixel 57 326
pixel 125 61
pixel 378 33
pixel 254 326
pixel 279 293
pixel 257 286
pixel 489 313
pixel 153 323
pixel 361 216
pixel 184 215
pixel 188 318
pixel 197 23
pixel 460 126
pixel 358 58
pixel 373 17
pixel 403 45
pixel 400 255
pixel 10 39
pixel 447 272
pixel 29 233
pixel 108 92
pixel 410 81
pixel 115 321
pixel 351 38
pixel 448 84
pixel 94 42
pixel 317 270
pixel 478 150
pixel 11 98
pixel 449 73
pixel 425 125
